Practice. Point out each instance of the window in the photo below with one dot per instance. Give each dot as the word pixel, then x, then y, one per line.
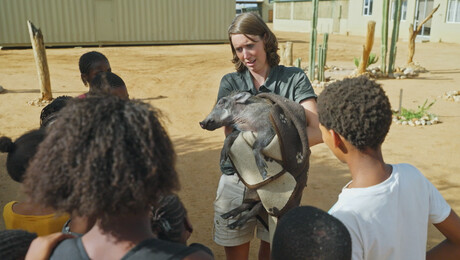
pixel 367 7
pixel 453 11
pixel 403 10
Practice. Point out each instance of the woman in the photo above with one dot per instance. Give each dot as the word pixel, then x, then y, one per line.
pixel 254 48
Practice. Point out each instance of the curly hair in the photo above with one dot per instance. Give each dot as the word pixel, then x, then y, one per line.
pixel 358 110
pixel 20 152
pixel 106 83
pixel 168 218
pixel 103 157
pixel 252 24
pixel 49 112
pixel 307 232
pixel 14 243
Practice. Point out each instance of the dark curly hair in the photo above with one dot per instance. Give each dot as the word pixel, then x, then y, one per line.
pixel 252 24
pixel 88 59
pixel 49 112
pixel 20 152
pixel 358 110
pixel 14 243
pixel 103 157
pixel 310 233
pixel 168 218
pixel 106 83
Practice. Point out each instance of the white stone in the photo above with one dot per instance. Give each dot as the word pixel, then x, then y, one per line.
pixel 408 71
pixel 417 122
pixel 457 98
pixel 404 123
pixel 411 123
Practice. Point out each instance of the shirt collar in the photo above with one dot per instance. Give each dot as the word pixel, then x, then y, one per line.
pixel 268 85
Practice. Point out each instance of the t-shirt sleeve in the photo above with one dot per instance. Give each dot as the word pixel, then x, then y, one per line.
pixel 303 89
pixel 225 88
pixel 439 208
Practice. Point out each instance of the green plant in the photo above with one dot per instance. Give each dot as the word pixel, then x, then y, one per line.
pixel 422 111
pixel 373 58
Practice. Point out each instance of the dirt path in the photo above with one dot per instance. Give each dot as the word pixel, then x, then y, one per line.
pixel 183 81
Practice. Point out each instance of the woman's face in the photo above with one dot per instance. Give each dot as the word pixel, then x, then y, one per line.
pixel 251 52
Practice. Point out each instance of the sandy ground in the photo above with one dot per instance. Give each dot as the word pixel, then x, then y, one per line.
pixel 182 80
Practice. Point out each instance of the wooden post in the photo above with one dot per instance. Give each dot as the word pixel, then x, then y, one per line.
pixel 413 35
pixel 288 54
pixel 400 101
pixel 282 50
pixel 38 46
pixel 368 47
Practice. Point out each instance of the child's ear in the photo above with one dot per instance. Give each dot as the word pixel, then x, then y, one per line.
pixel 337 141
pixel 83 78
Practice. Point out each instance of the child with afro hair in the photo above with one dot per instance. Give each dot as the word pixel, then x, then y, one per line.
pixel 27 215
pixel 108 159
pixel 386 207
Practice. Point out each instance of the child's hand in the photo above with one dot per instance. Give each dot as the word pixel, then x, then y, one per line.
pixel 41 247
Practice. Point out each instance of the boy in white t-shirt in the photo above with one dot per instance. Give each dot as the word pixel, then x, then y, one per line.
pixel 386 207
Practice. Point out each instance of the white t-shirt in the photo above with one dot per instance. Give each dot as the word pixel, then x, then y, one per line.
pixel 390 220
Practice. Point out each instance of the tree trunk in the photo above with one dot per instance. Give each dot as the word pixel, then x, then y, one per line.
pixel 38 46
pixel 413 35
pixel 368 47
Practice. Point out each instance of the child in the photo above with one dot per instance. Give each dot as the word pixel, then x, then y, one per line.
pixel 90 64
pixel 108 159
pixel 386 207
pixel 49 112
pixel 309 233
pixel 170 222
pixel 30 216
pixel 15 243
pixel 108 83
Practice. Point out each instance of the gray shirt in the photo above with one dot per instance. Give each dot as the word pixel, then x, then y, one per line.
pixel 153 248
pixel 289 82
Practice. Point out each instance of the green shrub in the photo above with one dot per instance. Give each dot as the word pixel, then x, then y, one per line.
pixel 373 58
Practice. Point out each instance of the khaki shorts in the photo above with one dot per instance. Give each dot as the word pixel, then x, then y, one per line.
pixel 230 194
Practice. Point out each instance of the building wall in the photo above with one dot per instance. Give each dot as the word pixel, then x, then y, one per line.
pixel 296 16
pixel 103 22
pixel 440 29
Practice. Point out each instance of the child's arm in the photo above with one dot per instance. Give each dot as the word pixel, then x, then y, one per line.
pixel 449 248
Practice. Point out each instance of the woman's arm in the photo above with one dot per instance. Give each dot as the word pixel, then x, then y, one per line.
pixel 449 248
pixel 311 113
